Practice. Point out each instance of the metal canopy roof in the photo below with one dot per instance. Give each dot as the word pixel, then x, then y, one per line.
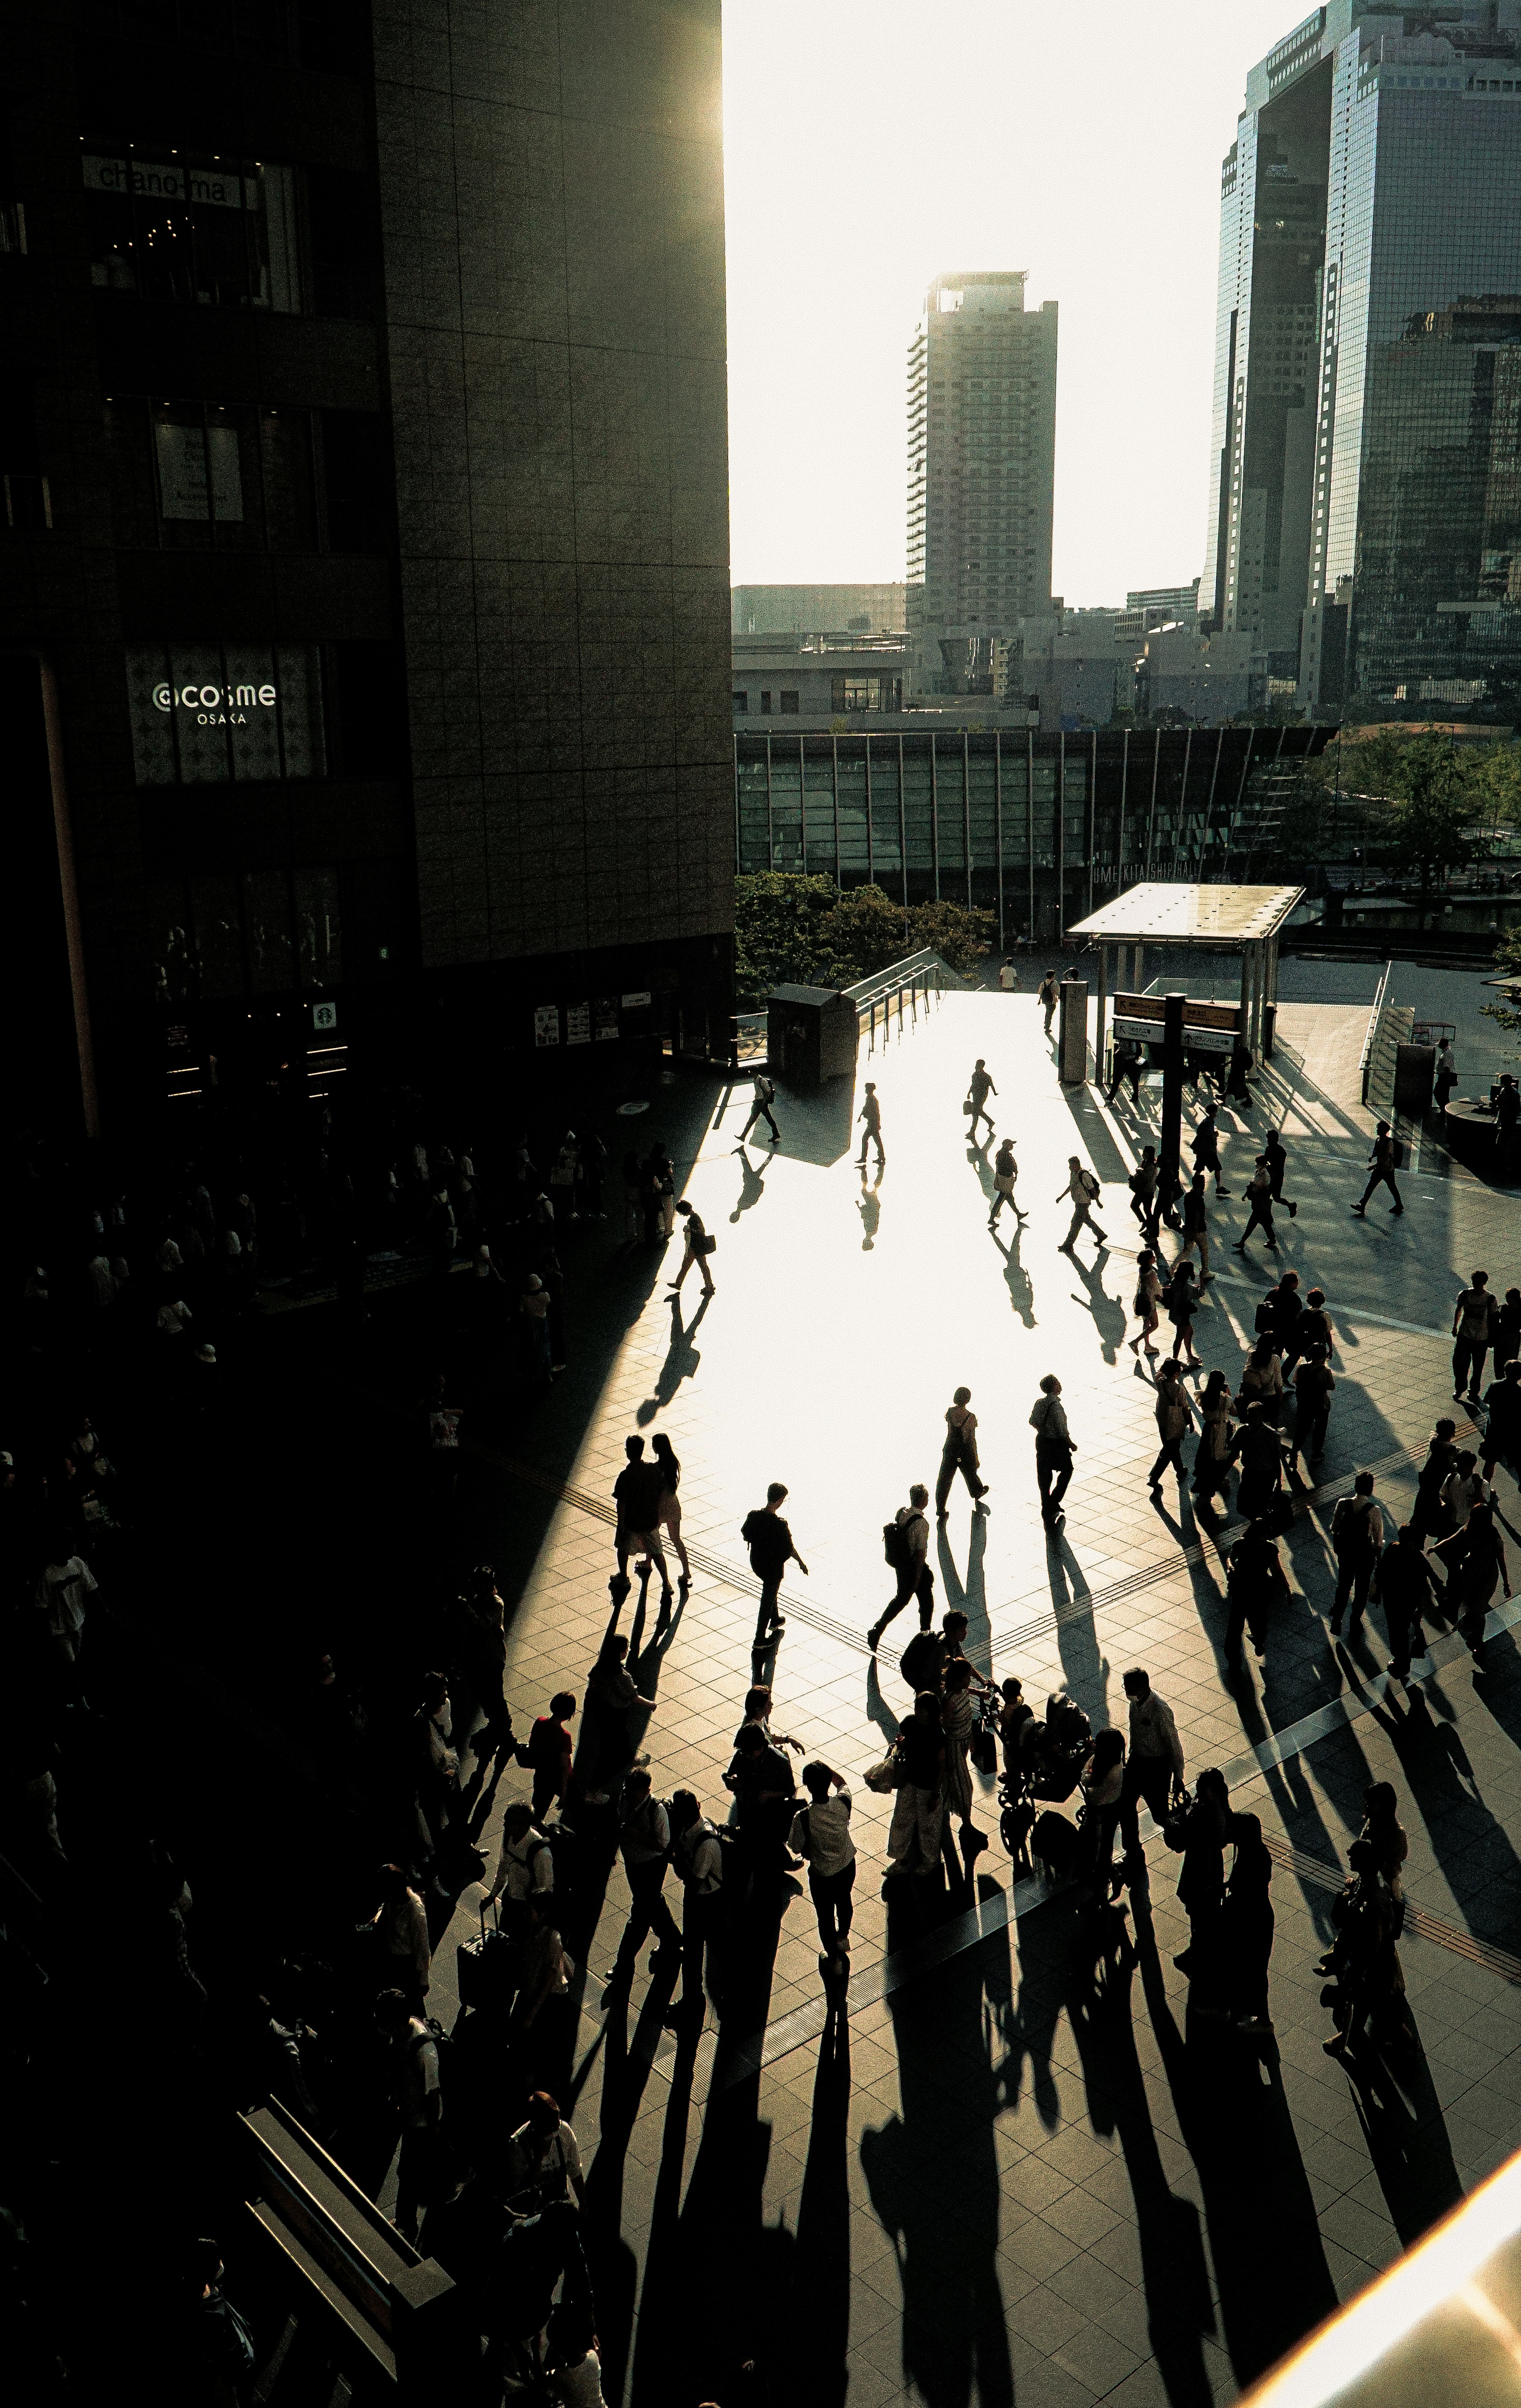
pixel 1191 915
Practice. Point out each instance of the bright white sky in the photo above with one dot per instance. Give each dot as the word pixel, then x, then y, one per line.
pixel 872 144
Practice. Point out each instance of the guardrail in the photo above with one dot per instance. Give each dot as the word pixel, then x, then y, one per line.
pixel 925 973
pixel 1389 1026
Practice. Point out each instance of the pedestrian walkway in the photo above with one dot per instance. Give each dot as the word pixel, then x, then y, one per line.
pixel 1006 2172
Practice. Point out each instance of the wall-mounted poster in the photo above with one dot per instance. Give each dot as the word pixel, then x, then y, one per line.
pixel 578 1024
pixel 606 1017
pixel 546 1023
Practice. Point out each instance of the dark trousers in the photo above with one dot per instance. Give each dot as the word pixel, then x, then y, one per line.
pixel 1309 1435
pixel 1354 1579
pixel 769 1613
pixel 1404 1628
pixel 1053 1472
pixel 1148 1777
pixel 417 2175
pixel 1171 1450
pixel 1210 1165
pixel 1261 1219
pixel 647 1911
pixel 921 1585
pixel 760 1113
pixel 1381 1179
pixel 700 1921
pixel 871 1137
pixel 833 1905
pixel 1244 1611
pixel 1130 1071
pixel 1468 1365
pixel 954 1460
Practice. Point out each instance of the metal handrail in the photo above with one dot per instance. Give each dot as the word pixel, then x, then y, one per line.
pixel 1371 1035
pixel 914 969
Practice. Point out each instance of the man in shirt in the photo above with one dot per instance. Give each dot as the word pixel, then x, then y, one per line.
pixel 1196 1226
pixel 760 1777
pixel 699 1859
pixel 1276 1162
pixel 1313 1389
pixel 978 1088
pixel 1259 1196
pixel 1446 1073
pixel 525 1866
pixel 1125 1062
pixel 1083 1189
pixel 870 1113
pixel 1381 1171
pixel 645 1843
pixel 1470 1330
pixel 695 1250
pixel 760 1109
pixel 1054 1448
pixel 958 1454
pixel 1046 996
pixel 821 1832
pixel 1154 1767
pixel 771 1550
pixel 1404 1586
pixel 1206 1147
pixel 1357 1538
pixel 415 2058
pixel 914 1578
pixel 1502 1430
pixel 543 2165
pixel 1174 1418
pixel 636 1493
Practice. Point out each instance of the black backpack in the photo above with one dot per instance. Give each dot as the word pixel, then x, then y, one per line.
pixel 921 1662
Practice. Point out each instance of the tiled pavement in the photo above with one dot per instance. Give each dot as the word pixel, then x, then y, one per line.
pixel 1006 2174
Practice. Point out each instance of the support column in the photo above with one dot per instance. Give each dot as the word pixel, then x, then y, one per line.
pixel 1247 997
pixel 1141 967
pixel 1170 1149
pixel 1098 1026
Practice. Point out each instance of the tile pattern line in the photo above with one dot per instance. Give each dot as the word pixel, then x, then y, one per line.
pixel 1425 1925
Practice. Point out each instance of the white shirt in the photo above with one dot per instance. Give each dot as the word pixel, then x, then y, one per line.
pixel 580 2387
pixel 821 1831
pixel 418 2075
pixel 701 1860
pixel 524 1869
pixel 1153 1731
pixel 62 1592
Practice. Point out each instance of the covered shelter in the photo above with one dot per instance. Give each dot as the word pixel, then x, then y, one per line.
pixel 1242 921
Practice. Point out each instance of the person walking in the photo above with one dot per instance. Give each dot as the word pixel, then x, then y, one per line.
pixel 870 1113
pixel 636 1493
pixel 919 1804
pixel 549 1752
pixel 644 1842
pixel 1205 1147
pixel 1196 1226
pixel 1383 1164
pixel 1441 1455
pixel 1045 996
pixel 1175 1420
pixel 771 1550
pixel 1314 1387
pixel 1103 1783
pixel 1262 1384
pixel 1445 1078
pixel 763 1097
pixel 1054 1448
pixel 1126 1062
pixel 1370 1981
pixel 1201 1887
pixel 1255 1584
pixel 761 1780
pixel 1142 1184
pixel 1154 1765
pixel 1007 975
pixel 698 1856
pixel 416 2085
pixel 1181 1302
pixel 1085 1191
pixel 959 1454
pixel 821 1835
pixel 1505 1329
pixel 1212 1456
pixel 611 1688
pixel 669 1513
pixel 906 1542
pixel 960 1713
pixel 1464 1488
pixel 1146 1302
pixel 1005 1174
pixel 1477 1553
pixel 699 1245
pixel 1502 1423
pixel 1276 1160
pixel 1256 1447
pixel 1357 1540
pixel 1404 1584
pixel 1259 1196
pixel 1246 1928
pixel 1471 1317
pixel 979 1087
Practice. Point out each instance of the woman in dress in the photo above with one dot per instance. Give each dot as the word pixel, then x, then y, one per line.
pixel 959 1714
pixel 1103 1779
pixel 668 1516
pixel 1181 1302
pixel 1248 1928
pixel 1148 1290
pixel 1212 1460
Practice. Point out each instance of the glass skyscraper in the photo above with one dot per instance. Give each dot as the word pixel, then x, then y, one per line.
pixel 981 470
pixel 1367 497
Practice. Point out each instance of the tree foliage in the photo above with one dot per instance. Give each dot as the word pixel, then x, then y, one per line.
pixel 1421 797
pixel 794 930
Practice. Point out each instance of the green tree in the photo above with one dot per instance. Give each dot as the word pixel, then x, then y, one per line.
pixel 794 930
pixel 1421 798
pixel 960 935
pixel 1508 963
pixel 778 917
pixel 865 931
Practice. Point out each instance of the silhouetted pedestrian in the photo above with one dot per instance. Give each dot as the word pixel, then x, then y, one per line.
pixel 1054 1447
pixel 1383 1164
pixel 959 1454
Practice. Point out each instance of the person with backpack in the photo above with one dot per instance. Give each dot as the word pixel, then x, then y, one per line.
pixel 1471 1317
pixel 418 2088
pixel 698 1855
pixel 524 1867
pixel 1054 1448
pixel 959 1454
pixel 905 1541
pixel 1045 996
pixel 760 1109
pixel 1175 1420
pixel 821 1835
pixel 1085 1191
pixel 1005 1174
pixel 1142 1184
pixel 1357 1539
pixel 644 1842
pixel 699 1245
pixel 1386 1159
pixel 771 1550
pixel 1314 1387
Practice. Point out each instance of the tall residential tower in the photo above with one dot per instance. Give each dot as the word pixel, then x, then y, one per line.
pixel 982 465
pixel 1365 529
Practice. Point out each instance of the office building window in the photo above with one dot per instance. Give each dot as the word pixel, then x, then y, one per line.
pixel 865 692
pixel 766 697
pixel 212 714
pixel 209 475
pixel 226 933
pixel 741 700
pixel 789 698
pixel 192 227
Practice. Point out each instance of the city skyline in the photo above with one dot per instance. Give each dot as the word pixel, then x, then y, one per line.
pixel 1066 203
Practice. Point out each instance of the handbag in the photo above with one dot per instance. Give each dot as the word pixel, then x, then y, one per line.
pixel 886 1777
pixel 705 1245
pixel 983 1747
pixel 1175 1825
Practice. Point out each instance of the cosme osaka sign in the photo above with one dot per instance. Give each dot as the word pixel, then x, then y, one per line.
pixel 218 715
pixel 205 699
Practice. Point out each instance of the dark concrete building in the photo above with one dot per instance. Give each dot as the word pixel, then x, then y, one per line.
pixel 363 575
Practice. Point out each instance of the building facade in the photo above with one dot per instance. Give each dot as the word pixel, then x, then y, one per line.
pixel 982 471
pixel 1031 826
pixel 1367 441
pixel 366 542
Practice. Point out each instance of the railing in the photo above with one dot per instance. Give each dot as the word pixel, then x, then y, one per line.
pixel 923 973
pixel 1365 1067
pixel 1389 1026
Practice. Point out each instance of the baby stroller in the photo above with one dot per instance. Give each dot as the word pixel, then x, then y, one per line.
pixel 1050 1755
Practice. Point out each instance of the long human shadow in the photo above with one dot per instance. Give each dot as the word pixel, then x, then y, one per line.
pixel 969 1596
pixel 1236 2125
pixel 680 1363
pixel 819 2303
pixel 1017 1278
pixel 820 1127
pixel 1109 1312
pixel 1174 2275
pixel 1086 1671
pixel 625 2072
pixel 1402 2116
pixel 932 2175
pixel 878 1709
pixel 752 1185
pixel 1470 1843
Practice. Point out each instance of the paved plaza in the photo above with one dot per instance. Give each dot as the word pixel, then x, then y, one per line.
pixel 1005 2172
